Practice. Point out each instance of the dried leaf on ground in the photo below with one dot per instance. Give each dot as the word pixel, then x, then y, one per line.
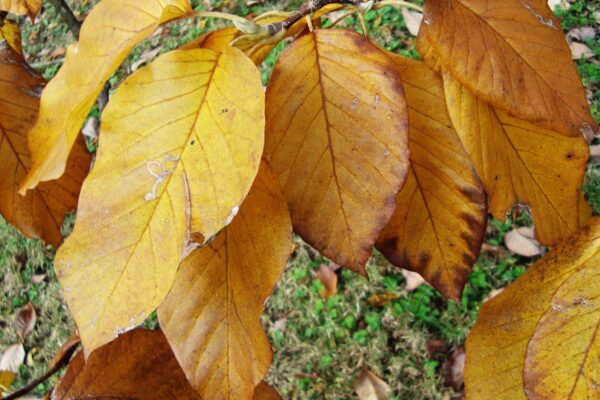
pixel 212 314
pixel 337 140
pixel 580 50
pixel 109 33
pixel 25 320
pixel 265 392
pixel 413 20
pixel 522 241
pixel 441 214
pixel 493 48
pixel 11 32
pixel 369 386
pixel 21 7
pixel 539 335
pixel 329 279
pixel 12 358
pixel 413 280
pixel 180 146
pixel 454 369
pixel 137 365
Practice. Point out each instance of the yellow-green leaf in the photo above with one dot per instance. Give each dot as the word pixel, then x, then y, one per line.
pixel 337 140
pixel 137 365
pixel 40 213
pixel 441 214
pixel 21 7
pixel 520 162
pixel 538 338
pixel 111 30
pixel 212 314
pixel 180 145
pixel 513 55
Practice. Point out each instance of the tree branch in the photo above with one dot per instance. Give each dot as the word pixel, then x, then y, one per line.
pixel 67 15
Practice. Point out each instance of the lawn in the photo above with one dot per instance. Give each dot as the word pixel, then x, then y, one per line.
pixel 406 337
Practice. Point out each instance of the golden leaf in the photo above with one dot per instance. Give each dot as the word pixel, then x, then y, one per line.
pixel 10 32
pixel 440 218
pixel 110 31
pixel 21 7
pixel 337 140
pixel 180 146
pixel 520 162
pixel 7 378
pixel 539 335
pixel 137 365
pixel 41 212
pixel 513 55
pixel 212 314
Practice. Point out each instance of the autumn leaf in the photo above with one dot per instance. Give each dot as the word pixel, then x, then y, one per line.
pixel 337 140
pixel 180 146
pixel 12 358
pixel 369 386
pixel 107 36
pixel 6 380
pixel 41 212
pixel 21 7
pixel 441 215
pixel 329 280
pixel 25 320
pixel 501 51
pixel 141 366
pixel 520 162
pixel 9 31
pixel 265 392
pixel 539 335
pixel 212 314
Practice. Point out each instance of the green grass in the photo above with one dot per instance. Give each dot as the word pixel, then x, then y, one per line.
pixel 319 344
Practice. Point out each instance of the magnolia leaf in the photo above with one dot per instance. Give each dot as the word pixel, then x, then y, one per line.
pixel 522 241
pixel 107 36
pixel 501 52
pixel 265 392
pixel 10 32
pixel 21 7
pixel 441 215
pixel 137 365
pixel 337 140
pixel 12 358
pixel 369 386
pixel 25 320
pixel 539 335
pixel 40 213
pixel 212 314
pixel 180 146
pixel 520 162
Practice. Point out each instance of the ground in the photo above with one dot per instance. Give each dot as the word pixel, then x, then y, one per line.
pixel 319 344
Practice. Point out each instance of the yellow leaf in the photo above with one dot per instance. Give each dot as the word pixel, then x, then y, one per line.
pixel 7 378
pixel 337 140
pixel 21 7
pixel 137 365
pixel 10 32
pixel 539 335
pixel 513 55
pixel 110 31
pixel 180 146
pixel 520 162
pixel 441 215
pixel 265 392
pixel 212 314
pixel 41 212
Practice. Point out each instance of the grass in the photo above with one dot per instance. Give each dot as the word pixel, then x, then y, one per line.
pixel 319 344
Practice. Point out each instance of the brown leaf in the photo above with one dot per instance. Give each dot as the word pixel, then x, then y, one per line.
pixel 369 386
pixel 25 320
pixel 454 369
pixel 494 48
pixel 580 50
pixel 383 299
pixel 441 213
pixel 329 280
pixel 211 317
pixel 65 352
pixel 336 138
pixel 265 392
pixel 12 358
pixel 522 241
pixel 40 213
pixel 136 365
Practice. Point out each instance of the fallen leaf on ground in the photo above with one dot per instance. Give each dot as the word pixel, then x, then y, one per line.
pixel 582 33
pixel 369 386
pixel 265 392
pixel 6 379
pixel 382 299
pixel 25 320
pixel 579 50
pixel 413 20
pixel 329 280
pixel 454 369
pixel 413 280
pixel 522 241
pixel 12 358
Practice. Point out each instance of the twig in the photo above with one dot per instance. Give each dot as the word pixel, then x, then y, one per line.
pixel 67 15
pixel 63 361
